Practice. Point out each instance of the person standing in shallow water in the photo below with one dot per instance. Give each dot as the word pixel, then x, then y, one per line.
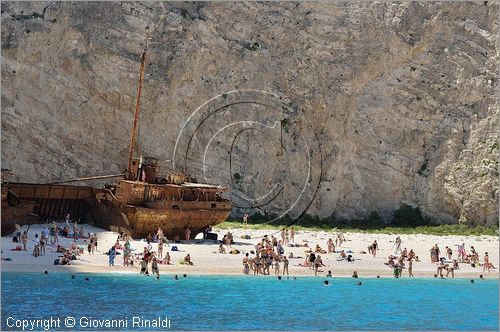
pixel 317 263
pixel 154 268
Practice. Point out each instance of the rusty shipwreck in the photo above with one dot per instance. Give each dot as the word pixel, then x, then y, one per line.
pixel 139 202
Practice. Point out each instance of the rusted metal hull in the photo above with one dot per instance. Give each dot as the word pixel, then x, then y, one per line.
pixel 31 202
pixel 100 207
pixel 15 211
pixel 142 221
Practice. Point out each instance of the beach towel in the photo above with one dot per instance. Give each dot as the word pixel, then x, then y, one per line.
pixel 18 248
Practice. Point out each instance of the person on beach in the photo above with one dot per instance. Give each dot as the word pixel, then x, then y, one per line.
pixel 283 235
pixel 268 261
pixel 276 265
pixel 312 259
pixel 24 240
pixel 434 253
pixel 144 267
pixel 317 263
pixel 441 265
pixel 66 220
pixel 89 248
pixel 93 243
pixel 17 237
pixel 160 248
pixel 462 254
pixel 449 252
pixel 55 234
pixel 187 260
pixel 474 256
pixel 126 256
pixel 245 220
pixel 372 249
pixel 486 262
pixel 285 265
pixel 167 258
pixel 279 249
pixel 229 239
pixel 154 268
pixel 340 239
pixel 287 239
pixel 36 250
pixel 111 256
pixel 246 264
pixel 397 244
pixel 43 240
pixel 274 241
pixel 410 267
pixel 331 246
pixel 256 264
pixel 159 234
pixel 292 234
pixel 75 231
pixel 188 233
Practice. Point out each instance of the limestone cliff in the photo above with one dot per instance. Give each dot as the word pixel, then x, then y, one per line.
pixel 378 103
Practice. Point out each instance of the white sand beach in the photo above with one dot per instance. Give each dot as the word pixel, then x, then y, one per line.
pixel 207 260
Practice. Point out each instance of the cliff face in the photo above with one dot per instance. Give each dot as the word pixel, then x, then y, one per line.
pixel 378 104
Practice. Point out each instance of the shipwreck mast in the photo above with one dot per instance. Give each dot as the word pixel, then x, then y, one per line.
pixel 133 137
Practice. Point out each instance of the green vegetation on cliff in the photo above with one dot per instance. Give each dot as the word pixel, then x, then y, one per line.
pixel 406 220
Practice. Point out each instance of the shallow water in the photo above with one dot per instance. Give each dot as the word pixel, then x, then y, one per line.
pixel 255 303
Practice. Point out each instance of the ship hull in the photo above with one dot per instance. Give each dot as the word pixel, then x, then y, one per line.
pixel 140 222
pixel 39 202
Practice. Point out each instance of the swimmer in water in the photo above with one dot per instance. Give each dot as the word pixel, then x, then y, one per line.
pixel 472 281
pixel 326 283
pixel 279 277
pixel 359 283
pixel 176 277
pixel 184 275
pixel 46 272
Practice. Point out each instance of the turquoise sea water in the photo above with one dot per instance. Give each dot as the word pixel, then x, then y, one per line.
pixel 250 303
